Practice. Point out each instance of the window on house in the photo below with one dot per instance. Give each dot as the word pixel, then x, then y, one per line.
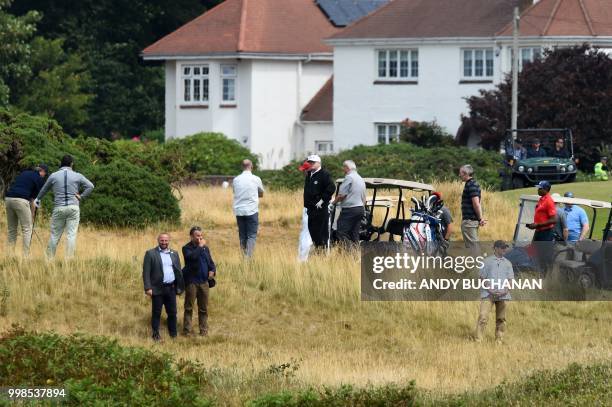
pixel 529 55
pixel 388 133
pixel 478 63
pixel 228 80
pixel 324 147
pixel 195 83
pixel 398 64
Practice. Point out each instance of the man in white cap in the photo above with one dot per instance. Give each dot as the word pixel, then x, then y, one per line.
pixel 318 190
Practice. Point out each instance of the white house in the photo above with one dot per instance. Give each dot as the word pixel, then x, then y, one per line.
pixel 247 68
pixel 419 59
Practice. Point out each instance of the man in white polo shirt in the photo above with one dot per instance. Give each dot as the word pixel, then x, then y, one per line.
pixel 248 188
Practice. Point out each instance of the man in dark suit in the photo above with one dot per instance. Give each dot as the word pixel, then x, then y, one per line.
pixel 318 190
pixel 199 273
pixel 163 281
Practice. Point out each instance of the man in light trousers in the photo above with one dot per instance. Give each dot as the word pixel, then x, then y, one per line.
pixel 248 188
pixel 66 185
pixel 497 272
pixel 19 201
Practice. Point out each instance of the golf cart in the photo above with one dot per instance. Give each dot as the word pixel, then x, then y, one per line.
pixel 572 260
pixel 388 213
pixel 544 164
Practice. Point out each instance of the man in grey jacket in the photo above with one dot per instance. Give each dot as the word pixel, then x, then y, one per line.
pixel 66 185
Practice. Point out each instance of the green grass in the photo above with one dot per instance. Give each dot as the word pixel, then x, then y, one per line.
pixel 600 191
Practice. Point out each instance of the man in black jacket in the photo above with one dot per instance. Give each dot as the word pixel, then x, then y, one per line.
pixel 163 281
pixel 199 272
pixel 318 191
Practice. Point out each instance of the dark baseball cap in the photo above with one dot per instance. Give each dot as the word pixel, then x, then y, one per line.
pixel 543 185
pixel 568 194
pixel 501 244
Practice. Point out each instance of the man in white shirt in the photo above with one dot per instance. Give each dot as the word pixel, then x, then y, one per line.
pixel 496 271
pixel 248 188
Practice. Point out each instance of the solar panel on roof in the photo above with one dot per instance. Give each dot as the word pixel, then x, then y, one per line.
pixel 343 12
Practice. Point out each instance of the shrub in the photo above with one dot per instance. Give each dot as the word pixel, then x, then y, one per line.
pixel 425 134
pixel 97 370
pixel 402 161
pixel 128 195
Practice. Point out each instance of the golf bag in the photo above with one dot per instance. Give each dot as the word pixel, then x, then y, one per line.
pixel 423 234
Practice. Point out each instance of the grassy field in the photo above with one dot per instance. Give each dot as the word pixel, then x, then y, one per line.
pixel 306 320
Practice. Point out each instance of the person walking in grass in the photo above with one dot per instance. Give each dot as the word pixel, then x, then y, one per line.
pixel 248 188
pixel 495 271
pixel 19 205
pixel 544 221
pixel 69 189
pixel 471 209
pixel 351 198
pixel 198 275
pixel 163 281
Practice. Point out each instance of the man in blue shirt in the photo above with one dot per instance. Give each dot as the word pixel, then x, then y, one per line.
pixel 19 201
pixel 199 273
pixel 577 221
pixel 536 150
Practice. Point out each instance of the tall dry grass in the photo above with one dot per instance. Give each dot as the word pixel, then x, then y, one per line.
pixel 274 310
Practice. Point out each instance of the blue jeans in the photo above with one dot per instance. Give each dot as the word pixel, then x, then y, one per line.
pixel 247 231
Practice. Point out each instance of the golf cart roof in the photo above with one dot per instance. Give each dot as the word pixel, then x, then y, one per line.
pixel 572 201
pixel 395 183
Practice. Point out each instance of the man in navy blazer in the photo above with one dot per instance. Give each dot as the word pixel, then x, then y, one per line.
pixel 163 281
pixel 198 274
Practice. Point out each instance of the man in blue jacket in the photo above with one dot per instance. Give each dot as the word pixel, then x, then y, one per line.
pixel 19 202
pixel 199 273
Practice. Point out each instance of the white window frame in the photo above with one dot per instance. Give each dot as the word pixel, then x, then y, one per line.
pixel 473 63
pixel 387 132
pixel 234 78
pixel 399 55
pixel 204 84
pixel 329 147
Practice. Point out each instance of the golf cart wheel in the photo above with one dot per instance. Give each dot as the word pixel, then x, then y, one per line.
pixel 585 280
pixel 518 182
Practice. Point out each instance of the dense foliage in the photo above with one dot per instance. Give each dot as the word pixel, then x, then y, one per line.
pixel 94 48
pixel 567 88
pixel 425 134
pixel 401 161
pixel 98 371
pixel 128 195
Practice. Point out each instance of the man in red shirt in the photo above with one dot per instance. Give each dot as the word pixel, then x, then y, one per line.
pixel 544 221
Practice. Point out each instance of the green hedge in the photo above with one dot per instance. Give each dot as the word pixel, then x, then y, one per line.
pixel 401 161
pixel 127 195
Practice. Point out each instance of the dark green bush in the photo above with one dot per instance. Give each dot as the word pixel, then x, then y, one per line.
pixel 401 161
pixel 425 134
pixel 98 371
pixel 128 195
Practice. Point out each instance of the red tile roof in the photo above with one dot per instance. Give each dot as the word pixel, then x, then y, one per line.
pixel 566 18
pixel 251 26
pixel 433 18
pixel 321 106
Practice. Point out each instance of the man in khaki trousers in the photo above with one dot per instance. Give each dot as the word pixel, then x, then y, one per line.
pixel 496 270
pixel 19 201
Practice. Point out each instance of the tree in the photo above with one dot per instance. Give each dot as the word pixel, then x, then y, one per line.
pixel 16 34
pixel 425 134
pixel 568 88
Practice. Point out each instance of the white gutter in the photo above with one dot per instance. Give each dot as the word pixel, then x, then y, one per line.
pixel 463 40
pixel 243 55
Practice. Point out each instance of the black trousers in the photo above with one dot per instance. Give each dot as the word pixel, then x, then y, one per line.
pixel 317 225
pixel 166 299
pixel 348 224
pixel 544 249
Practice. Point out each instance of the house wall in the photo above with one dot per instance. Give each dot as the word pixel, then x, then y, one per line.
pixel 359 103
pixel 267 105
pixel 316 131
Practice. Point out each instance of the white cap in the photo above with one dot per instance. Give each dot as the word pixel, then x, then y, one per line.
pixel 314 158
